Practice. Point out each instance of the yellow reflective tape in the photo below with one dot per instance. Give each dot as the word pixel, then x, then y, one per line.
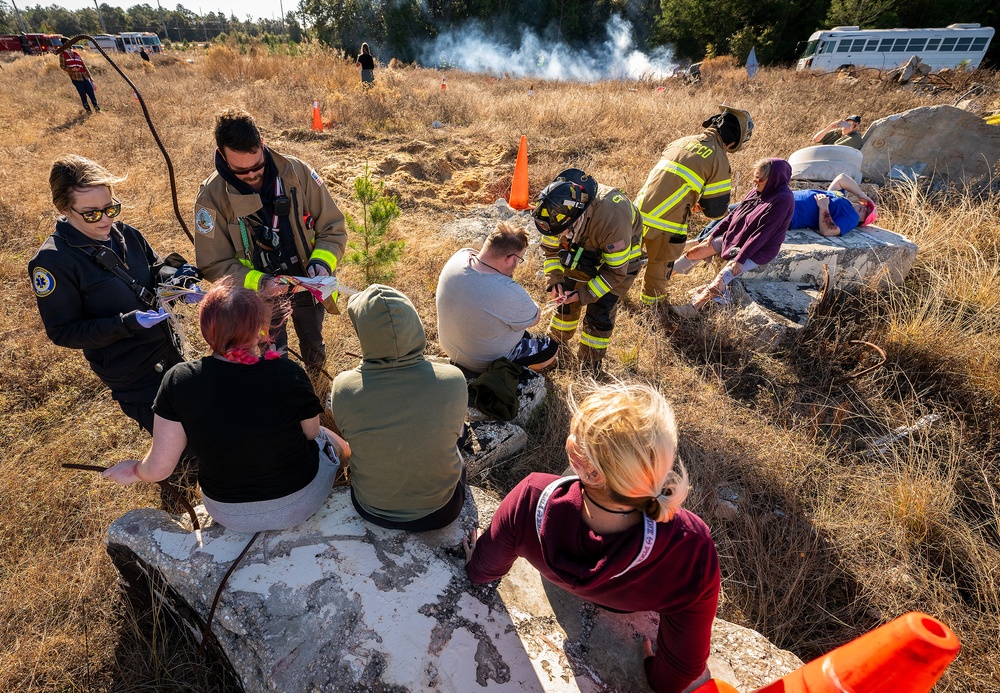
pixel 325 256
pixel 550 264
pixel 693 179
pixel 670 202
pixel 718 187
pixel 636 252
pixel 594 342
pixel 563 325
pixel 650 300
pixel 252 280
pixel 598 286
pixel 550 241
pixel 615 259
pixel 662 225
pixel 543 212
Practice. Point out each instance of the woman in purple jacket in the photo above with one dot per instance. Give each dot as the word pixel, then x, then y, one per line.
pixel 750 235
pixel 615 533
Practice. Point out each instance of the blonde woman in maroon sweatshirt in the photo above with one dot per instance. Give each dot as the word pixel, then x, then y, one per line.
pixel 614 533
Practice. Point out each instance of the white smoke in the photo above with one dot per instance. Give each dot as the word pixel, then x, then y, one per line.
pixel 617 57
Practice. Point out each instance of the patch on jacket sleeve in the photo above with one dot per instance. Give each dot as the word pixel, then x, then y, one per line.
pixel 43 282
pixel 204 221
pixel 315 176
pixel 615 247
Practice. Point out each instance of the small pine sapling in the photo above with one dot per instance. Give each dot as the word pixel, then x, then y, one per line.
pixel 373 252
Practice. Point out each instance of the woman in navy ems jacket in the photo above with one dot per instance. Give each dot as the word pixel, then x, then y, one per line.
pixel 94 279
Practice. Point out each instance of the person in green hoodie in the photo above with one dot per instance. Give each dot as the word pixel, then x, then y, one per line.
pixel 403 416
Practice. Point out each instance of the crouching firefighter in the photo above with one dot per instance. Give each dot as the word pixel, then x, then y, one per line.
pixel 261 215
pixel 692 175
pixel 592 242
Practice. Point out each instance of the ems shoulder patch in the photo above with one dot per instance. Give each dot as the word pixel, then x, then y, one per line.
pixel 315 177
pixel 204 221
pixel 42 282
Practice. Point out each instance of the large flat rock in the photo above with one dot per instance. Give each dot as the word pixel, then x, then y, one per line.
pixel 339 604
pixel 868 253
pixel 931 140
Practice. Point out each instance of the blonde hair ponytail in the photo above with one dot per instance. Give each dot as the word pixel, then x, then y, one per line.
pixel 628 432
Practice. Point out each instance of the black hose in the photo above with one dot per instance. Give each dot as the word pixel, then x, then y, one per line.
pixel 149 122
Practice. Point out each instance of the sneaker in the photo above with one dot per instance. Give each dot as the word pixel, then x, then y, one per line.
pixel 97 108
pixel 685 310
pixel 87 109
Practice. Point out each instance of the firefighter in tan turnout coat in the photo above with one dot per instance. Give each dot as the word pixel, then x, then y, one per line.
pixel 692 175
pixel 592 243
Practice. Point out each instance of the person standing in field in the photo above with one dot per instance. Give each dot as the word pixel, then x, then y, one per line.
pixel 692 175
pixel 367 64
pixel 261 215
pixel 71 63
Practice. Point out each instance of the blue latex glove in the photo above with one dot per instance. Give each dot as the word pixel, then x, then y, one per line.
pixel 194 297
pixel 148 318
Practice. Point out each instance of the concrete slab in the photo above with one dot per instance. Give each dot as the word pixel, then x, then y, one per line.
pixel 774 312
pixel 864 254
pixel 338 604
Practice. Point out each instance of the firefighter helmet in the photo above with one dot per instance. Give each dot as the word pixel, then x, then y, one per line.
pixel 559 205
pixel 745 121
pixel 578 176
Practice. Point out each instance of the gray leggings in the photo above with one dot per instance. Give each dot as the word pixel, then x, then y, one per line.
pixel 278 513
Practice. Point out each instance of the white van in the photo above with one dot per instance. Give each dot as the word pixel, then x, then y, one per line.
pixel 107 42
pixel 957 45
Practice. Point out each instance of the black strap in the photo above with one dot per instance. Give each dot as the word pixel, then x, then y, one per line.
pixel 109 260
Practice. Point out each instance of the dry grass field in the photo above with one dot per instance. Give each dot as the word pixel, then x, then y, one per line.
pixel 829 542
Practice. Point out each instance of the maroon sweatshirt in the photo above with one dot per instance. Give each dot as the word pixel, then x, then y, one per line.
pixel 756 228
pixel 679 579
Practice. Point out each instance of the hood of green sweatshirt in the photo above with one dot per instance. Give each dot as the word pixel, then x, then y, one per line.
pixel 388 327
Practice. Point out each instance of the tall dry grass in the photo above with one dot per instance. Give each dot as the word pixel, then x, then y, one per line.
pixel 829 540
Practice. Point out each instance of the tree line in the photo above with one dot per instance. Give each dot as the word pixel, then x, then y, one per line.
pixel 400 28
pixel 179 24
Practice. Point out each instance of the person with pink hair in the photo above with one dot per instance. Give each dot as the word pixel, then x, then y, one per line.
pixel 252 420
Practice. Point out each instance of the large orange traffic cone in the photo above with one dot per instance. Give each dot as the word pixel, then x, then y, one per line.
pixel 907 655
pixel 715 686
pixel 317 118
pixel 519 188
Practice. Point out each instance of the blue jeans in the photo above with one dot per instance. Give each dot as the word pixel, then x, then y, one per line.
pixel 85 88
pixel 707 231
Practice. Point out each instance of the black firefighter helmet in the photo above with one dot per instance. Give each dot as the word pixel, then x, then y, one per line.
pixel 563 201
pixel 735 126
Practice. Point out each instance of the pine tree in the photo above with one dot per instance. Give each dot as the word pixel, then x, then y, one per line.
pixel 373 252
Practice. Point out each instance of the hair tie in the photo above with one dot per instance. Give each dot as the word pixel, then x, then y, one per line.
pixel 271 355
pixel 240 356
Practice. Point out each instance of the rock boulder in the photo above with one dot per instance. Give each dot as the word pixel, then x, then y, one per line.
pixel 935 140
pixel 339 604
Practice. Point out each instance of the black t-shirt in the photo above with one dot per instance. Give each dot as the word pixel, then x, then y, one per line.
pixel 243 423
pixel 367 61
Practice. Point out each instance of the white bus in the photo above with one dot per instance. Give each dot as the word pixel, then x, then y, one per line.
pixel 954 46
pixel 132 41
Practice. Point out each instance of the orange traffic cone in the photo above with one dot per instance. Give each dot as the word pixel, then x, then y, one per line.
pixel 519 188
pixel 715 686
pixel 444 83
pixel 317 118
pixel 907 655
